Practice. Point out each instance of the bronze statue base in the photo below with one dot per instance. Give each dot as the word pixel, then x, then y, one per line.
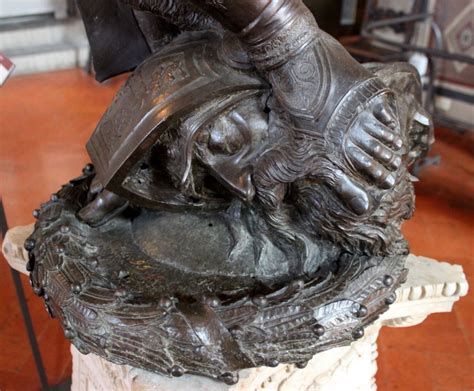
pixel 121 294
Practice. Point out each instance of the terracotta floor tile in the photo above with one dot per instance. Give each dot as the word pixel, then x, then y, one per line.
pixel 406 372
pixel 13 381
pixel 452 372
pixel 440 333
pixel 464 313
pixel 58 365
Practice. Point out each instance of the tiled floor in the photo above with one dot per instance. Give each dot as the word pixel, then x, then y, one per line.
pixel 45 121
pixel 438 354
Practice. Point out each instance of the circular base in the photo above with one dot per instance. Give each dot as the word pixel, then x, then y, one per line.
pixel 141 290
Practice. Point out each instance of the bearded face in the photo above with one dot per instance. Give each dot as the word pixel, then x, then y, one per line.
pixel 344 182
pixel 289 186
pixel 293 182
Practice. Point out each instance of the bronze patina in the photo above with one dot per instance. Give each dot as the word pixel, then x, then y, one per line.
pixel 247 190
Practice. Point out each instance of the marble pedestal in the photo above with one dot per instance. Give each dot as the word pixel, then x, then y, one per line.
pixel 431 287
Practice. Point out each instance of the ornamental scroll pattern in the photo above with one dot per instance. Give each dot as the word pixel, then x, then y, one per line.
pixel 295 82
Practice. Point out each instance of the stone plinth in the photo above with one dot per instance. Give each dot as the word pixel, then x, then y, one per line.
pixel 431 287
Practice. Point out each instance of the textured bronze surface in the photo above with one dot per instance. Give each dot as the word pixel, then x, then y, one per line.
pixel 249 185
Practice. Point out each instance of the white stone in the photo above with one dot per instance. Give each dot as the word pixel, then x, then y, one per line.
pixel 12 247
pixel 46 46
pixel 12 8
pixel 431 287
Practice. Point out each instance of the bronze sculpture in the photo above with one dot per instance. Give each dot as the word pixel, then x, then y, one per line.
pixel 247 192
